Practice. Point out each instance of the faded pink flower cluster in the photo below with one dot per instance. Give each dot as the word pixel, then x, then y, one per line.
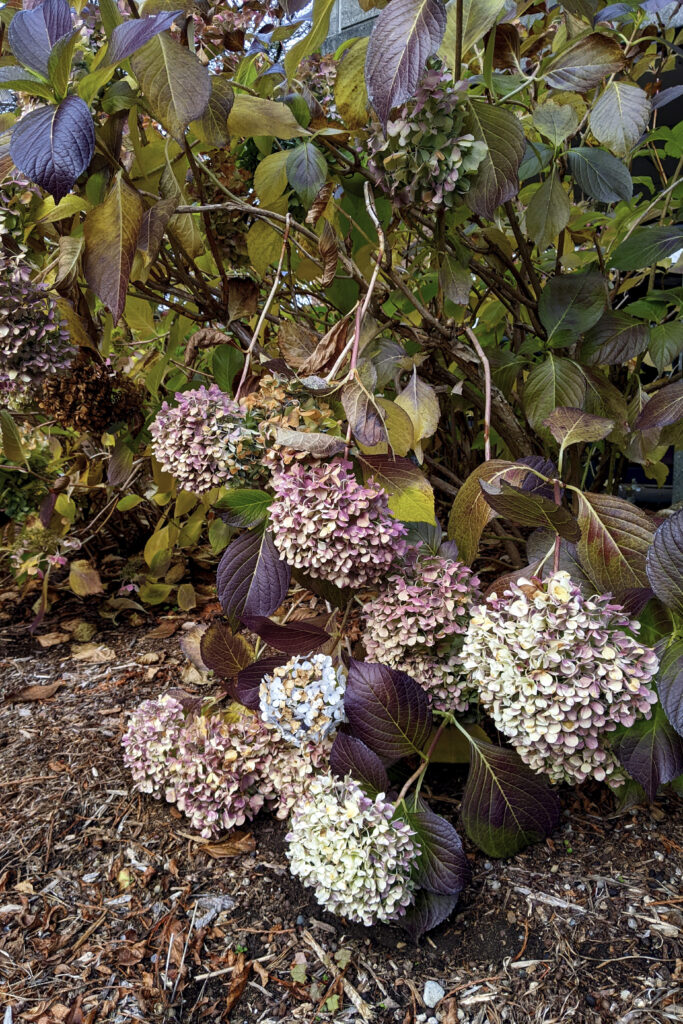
pixel 558 673
pixel 417 621
pixel 326 523
pixel 220 771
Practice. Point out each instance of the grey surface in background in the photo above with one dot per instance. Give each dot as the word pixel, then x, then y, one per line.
pixel 348 21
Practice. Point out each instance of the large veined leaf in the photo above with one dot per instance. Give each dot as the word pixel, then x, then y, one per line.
pixel 350 756
pixel 251 578
pixel 554 382
pixel 664 564
pixel 573 426
pixel 666 343
pixel 411 497
pixel 584 63
pixel 571 304
pixel 441 865
pixel 350 91
pixel 471 511
pixel 663 409
pixel 620 117
pixel 224 652
pixel 363 414
pixel 555 121
pixel 670 684
pixel 616 338
pixel 387 710
pixel 600 175
pixel 478 16
pixel 174 82
pixel 548 212
pixel 615 537
pixel 20 80
pixel 33 33
pixel 429 910
pixel 111 235
pixel 249 679
pixel 52 146
pixel 242 506
pixel 131 35
pixel 306 171
pixel 251 115
pixel 530 509
pixel 212 126
pixel 320 25
pixel 505 805
pixel 651 751
pixel 496 179
pixel 405 34
pixel 300 637
pixel 648 245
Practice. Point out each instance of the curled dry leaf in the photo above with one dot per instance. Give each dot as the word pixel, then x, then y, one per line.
pixel 38 692
pixel 207 337
pixel 328 349
pixel 236 845
pixel 328 248
pixel 320 203
pixel 296 343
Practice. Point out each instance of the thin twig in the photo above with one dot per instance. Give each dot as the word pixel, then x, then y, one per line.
pixel 487 386
pixel 264 312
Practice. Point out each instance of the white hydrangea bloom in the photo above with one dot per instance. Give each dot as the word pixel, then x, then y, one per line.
pixel 304 699
pixel 351 851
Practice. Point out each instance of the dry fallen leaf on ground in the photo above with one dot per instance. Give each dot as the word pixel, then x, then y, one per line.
pixel 95 654
pixel 52 639
pixel 38 692
pixel 238 983
pixel 234 846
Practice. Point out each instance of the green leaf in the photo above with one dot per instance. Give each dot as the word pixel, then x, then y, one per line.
pixel 306 171
pixel 651 751
pixel 11 439
pixel 616 338
pixel 548 212
pixel 226 362
pixel 584 63
pixel 572 426
pixel 666 344
pixel 530 509
pixel 320 26
pixel 245 507
pixel 111 234
pixel 212 126
pixel 89 86
pixel 21 80
pixel 251 116
pixel 174 82
pixel 569 305
pixel 620 116
pixel 471 512
pixel 270 177
pixel 599 174
pixel 478 16
pixel 554 382
pixel 128 502
pixel 555 122
pixel 496 179
pixel 350 92
pixel 59 63
pixel 422 406
pixel 615 537
pixel 411 497
pixel 647 246
pixel 155 593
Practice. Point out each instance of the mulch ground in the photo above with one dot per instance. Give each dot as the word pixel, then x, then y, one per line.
pixel 111 910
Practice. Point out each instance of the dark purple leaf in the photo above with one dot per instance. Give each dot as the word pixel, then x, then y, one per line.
pixel 350 756
pixel 32 34
pixel 635 600
pixel 323 588
pixel 664 562
pixel 542 465
pixel 387 710
pixel 47 507
pixel 651 751
pixel 249 680
pixel 252 580
pixel 301 637
pixel 405 34
pixel 505 805
pixel 52 146
pixel 616 338
pixel 428 911
pixel 666 96
pixel 530 509
pixel 120 464
pixel 224 652
pixel 130 35
pixel 442 865
pixel 648 245
pixel 670 684
pixel 663 409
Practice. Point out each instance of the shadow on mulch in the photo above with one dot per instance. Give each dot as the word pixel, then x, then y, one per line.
pixel 111 910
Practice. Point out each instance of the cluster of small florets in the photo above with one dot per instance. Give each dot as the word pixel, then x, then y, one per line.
pixel 416 623
pixel 351 850
pixel 326 523
pixel 557 673
pixel 219 769
pixel 34 341
pixel 303 699
pixel 425 155
pixel 206 439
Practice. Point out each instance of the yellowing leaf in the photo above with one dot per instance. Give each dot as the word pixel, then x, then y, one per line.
pixel 251 115
pixel 174 82
pixel 264 244
pixel 84 580
pixel 350 92
pixel 420 402
pixel 398 425
pixel 111 234
pixel 270 177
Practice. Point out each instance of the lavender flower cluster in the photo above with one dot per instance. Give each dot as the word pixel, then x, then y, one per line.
pixel 352 851
pixel 206 439
pixel 417 621
pixel 34 341
pixel 426 155
pixel 326 523
pixel 304 699
pixel 557 673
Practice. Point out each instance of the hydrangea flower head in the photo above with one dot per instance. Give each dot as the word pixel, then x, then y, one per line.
pixel 150 739
pixel 416 620
pixel 352 851
pixel 558 672
pixel 34 341
pixel 206 439
pixel 304 699
pixel 326 523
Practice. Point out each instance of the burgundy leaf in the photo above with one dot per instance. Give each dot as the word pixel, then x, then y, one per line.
pixel 387 710
pixel 505 805
pixel 428 911
pixel 405 34
pixel 663 409
pixel 32 34
pixel 130 35
pixel 670 684
pixel 350 756
pixel 664 562
pixel 249 680
pixel 224 652
pixel 47 507
pixel 651 751
pixel 301 637
pixel 52 146
pixel 252 580
pixel 442 865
